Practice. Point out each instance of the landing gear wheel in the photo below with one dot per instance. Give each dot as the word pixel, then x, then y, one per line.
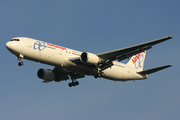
pixel 73 84
pixel 95 76
pixel 70 84
pixel 20 63
pixel 76 83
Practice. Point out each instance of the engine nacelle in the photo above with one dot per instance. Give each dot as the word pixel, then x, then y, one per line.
pixel 46 74
pixel 89 58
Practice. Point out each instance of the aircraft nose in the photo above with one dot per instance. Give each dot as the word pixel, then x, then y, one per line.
pixel 11 45
pixel 8 45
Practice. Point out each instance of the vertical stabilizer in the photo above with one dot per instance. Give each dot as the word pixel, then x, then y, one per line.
pixel 137 61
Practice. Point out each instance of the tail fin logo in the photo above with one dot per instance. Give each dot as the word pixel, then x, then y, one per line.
pixel 138 60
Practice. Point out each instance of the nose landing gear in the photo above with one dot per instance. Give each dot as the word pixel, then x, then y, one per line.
pixel 19 58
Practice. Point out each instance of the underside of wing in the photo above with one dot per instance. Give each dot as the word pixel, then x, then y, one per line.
pixel 61 74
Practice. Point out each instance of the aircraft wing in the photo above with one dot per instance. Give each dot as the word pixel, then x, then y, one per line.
pixel 123 53
pixel 127 52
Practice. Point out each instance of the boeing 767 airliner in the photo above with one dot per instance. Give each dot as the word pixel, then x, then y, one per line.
pixel 69 63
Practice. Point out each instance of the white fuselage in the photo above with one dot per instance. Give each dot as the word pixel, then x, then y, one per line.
pixel 58 56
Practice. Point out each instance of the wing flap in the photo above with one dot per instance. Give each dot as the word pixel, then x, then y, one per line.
pixel 150 71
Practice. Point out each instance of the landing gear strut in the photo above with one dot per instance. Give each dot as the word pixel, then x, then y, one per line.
pixel 19 58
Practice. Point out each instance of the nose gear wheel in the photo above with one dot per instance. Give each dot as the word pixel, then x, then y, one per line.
pixel 20 63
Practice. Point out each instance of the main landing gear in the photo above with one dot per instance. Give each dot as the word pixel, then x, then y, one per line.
pixel 74 82
pixel 100 74
pixel 19 58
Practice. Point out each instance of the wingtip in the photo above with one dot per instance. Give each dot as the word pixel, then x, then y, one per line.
pixel 170 36
pixel 170 65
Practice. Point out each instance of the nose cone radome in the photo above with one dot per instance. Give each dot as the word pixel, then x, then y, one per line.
pixel 12 46
pixel 8 45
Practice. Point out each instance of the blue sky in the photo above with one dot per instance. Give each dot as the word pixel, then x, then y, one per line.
pixel 94 26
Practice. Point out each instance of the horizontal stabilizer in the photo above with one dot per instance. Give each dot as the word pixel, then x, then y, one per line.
pixel 153 70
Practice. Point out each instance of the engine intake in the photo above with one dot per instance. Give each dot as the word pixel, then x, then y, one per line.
pixel 46 74
pixel 89 58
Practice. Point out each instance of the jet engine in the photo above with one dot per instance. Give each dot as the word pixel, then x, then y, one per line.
pixel 89 58
pixel 46 74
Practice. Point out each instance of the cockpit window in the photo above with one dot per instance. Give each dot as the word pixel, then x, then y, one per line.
pixel 14 40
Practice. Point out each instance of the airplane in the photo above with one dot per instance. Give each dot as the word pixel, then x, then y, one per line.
pixel 73 64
